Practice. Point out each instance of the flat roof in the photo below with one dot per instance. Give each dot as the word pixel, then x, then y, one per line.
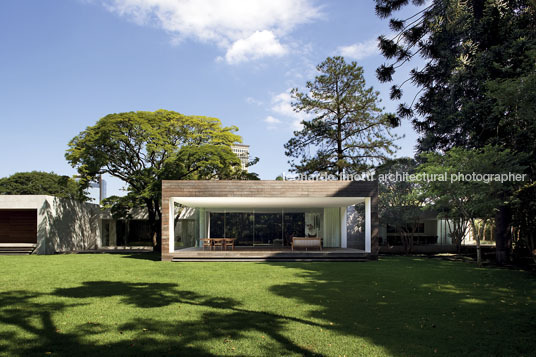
pixel 268 189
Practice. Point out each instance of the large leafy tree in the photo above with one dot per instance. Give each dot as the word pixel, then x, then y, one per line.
pixel 471 200
pixel 465 45
pixel 470 48
pixel 144 148
pixel 516 99
pixel 348 131
pixel 41 183
pixel 400 203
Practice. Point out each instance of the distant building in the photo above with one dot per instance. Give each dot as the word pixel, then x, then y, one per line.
pixel 101 185
pixel 242 151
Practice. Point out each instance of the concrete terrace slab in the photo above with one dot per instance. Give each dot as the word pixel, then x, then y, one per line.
pixel 254 254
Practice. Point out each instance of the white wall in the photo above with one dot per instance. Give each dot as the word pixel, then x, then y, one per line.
pixel 63 225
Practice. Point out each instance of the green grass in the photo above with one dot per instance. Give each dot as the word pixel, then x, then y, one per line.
pixel 120 304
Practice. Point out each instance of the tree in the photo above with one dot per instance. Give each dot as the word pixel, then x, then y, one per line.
pixel 467 46
pixel 144 148
pixel 41 183
pixel 348 131
pixel 400 202
pixel 473 199
pixel 524 219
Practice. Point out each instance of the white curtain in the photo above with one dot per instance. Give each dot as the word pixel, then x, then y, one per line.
pixel 332 227
pixel 202 224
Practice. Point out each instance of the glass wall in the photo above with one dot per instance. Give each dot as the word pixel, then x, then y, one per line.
pixel 126 233
pixel 239 225
pixel 255 227
pixel 266 227
pixel 186 227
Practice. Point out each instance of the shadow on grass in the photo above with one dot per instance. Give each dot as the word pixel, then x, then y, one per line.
pixel 408 306
pixel 415 306
pixel 152 256
pixel 225 323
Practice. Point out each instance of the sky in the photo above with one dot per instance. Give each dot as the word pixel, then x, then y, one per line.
pixel 66 63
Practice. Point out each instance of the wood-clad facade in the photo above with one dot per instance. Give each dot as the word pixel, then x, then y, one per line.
pixel 257 191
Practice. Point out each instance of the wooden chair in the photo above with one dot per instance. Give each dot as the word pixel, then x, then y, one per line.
pixel 229 242
pixel 206 242
pixel 218 242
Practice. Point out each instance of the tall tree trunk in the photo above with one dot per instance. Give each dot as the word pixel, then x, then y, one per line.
pixel 339 133
pixel 158 226
pixel 532 247
pixel 153 223
pixel 478 9
pixel 503 219
pixel 476 235
pixel 339 148
pixel 404 236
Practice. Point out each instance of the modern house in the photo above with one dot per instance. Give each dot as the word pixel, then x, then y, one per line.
pixel 47 225
pixel 262 217
pixel 265 214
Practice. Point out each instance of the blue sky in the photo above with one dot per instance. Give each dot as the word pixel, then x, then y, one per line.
pixel 66 63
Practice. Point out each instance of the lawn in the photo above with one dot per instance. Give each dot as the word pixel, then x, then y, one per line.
pixel 131 304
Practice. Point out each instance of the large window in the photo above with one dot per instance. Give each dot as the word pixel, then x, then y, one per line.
pixel 187 226
pixel 238 225
pixel 269 227
pixel 294 226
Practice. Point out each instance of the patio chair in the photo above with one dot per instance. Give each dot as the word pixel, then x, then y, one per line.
pixel 206 242
pixel 218 242
pixel 229 242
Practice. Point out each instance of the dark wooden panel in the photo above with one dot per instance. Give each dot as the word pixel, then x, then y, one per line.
pixel 18 226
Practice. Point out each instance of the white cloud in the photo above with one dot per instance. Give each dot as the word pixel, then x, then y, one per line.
pixel 251 100
pixel 245 29
pixel 272 123
pixel 271 120
pixel 259 44
pixel 360 50
pixel 281 104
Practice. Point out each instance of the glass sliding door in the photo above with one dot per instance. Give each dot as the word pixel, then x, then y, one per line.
pixel 217 225
pixel 266 227
pixel 240 225
pixel 187 226
pixel 294 226
pixel 185 236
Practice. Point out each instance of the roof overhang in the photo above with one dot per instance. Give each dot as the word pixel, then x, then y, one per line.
pixel 267 202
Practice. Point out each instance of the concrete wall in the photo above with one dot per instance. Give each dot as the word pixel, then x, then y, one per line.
pixel 63 225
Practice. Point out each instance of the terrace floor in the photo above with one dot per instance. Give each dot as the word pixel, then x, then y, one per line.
pixel 259 253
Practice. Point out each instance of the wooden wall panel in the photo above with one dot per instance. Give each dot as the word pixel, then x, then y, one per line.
pixel 18 226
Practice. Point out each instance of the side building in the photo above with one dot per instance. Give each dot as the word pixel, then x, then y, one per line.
pixel 43 224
